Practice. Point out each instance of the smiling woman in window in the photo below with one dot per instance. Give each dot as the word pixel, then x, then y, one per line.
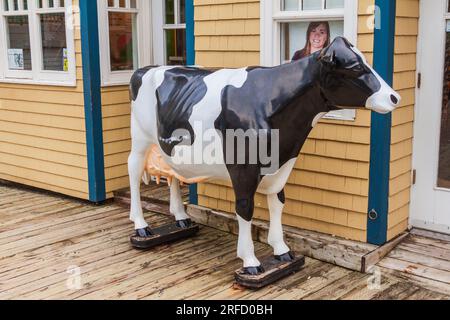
pixel 317 38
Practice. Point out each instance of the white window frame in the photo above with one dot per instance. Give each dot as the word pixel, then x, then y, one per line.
pixel 143 36
pixel 270 24
pixel 37 75
pixel 158 9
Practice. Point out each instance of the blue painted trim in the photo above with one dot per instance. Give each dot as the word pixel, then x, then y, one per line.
pixel 380 147
pixel 92 99
pixel 190 38
pixel 190 57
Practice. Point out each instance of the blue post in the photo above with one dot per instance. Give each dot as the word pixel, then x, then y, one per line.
pixel 380 147
pixel 92 99
pixel 190 53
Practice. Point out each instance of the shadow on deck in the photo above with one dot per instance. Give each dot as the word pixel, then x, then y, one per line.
pixel 54 247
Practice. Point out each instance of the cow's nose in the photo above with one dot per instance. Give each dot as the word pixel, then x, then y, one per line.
pixel 394 99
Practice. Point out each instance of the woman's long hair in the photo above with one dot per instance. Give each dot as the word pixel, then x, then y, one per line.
pixel 306 51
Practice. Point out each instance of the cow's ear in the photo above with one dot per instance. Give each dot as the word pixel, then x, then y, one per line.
pixel 328 59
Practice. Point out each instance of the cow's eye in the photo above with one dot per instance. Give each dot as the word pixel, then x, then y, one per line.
pixel 358 69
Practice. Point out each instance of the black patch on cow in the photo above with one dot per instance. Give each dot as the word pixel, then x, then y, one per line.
pixel 288 98
pixel 136 81
pixel 181 90
pixel 281 197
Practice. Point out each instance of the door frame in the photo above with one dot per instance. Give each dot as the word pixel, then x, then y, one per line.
pixel 419 216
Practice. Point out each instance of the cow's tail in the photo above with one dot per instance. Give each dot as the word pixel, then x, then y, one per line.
pixel 136 81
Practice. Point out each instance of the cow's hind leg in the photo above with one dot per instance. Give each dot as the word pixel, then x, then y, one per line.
pixel 136 164
pixel 177 206
pixel 275 238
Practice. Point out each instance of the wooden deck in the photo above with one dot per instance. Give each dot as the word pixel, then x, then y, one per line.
pixel 46 239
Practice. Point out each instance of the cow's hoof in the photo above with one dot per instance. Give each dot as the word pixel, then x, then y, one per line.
pixel 253 271
pixel 184 224
pixel 144 233
pixel 287 257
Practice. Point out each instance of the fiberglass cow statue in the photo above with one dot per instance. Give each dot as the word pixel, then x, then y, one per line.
pixel 176 109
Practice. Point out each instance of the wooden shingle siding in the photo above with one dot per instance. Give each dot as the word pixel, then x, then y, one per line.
pixel 328 189
pixel 402 119
pixel 116 110
pixel 227 33
pixel 42 132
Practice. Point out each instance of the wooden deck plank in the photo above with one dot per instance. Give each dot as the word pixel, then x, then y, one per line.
pixel 397 291
pixel 425 250
pixel 430 234
pixel 54 283
pixel 416 269
pixel 414 257
pixel 174 269
pixel 208 291
pixel 135 266
pixel 334 290
pixel 429 242
pixel 429 284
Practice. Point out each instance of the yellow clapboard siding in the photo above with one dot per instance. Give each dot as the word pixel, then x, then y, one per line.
pixel 55 97
pixel 44 132
pixel 42 177
pixel 116 110
pixel 45 186
pixel 117 122
pixel 72 111
pixel 43 120
pixel 44 143
pixel 117 184
pixel 111 148
pixel 116 159
pixel 40 153
pixel 45 166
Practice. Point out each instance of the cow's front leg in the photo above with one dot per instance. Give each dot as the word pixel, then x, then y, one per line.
pixel 136 163
pixel 275 238
pixel 177 206
pixel 245 181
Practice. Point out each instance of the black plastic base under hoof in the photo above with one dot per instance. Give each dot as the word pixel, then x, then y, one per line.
pixel 274 271
pixel 164 234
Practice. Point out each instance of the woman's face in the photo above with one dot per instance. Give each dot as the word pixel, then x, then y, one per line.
pixel 318 38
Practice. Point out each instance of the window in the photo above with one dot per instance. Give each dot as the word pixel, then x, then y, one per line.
pixel 37 45
pixel 125 38
pixel 284 26
pixel 174 32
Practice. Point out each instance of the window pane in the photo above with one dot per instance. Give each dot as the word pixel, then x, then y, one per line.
pixel 444 150
pixel 133 4
pixel 19 51
pixel 54 48
pixel 123 41
pixel 294 34
pixel 312 5
pixel 122 4
pixel 289 5
pixel 25 4
pixel 5 5
pixel 170 13
pixel 334 4
pixel 182 11
pixel 176 47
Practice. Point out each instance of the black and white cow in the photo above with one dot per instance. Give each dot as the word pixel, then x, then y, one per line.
pixel 173 106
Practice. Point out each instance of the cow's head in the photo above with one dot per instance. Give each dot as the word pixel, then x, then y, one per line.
pixel 347 80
